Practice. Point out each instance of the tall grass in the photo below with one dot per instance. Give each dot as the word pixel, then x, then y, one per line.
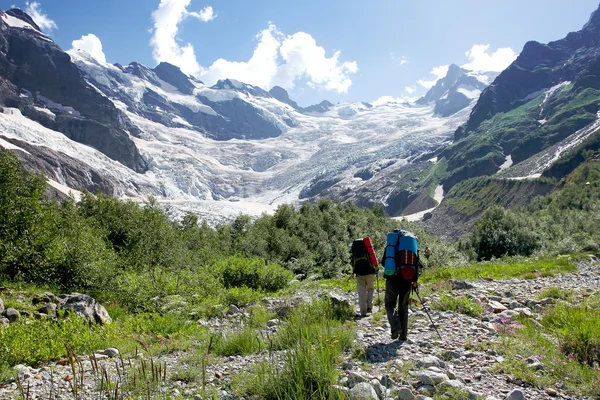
pixel 315 338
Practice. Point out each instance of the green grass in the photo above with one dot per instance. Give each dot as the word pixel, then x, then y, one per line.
pixel 462 305
pixel 568 346
pixel 555 293
pixel 315 337
pixel 243 342
pixel 501 269
pixel 33 342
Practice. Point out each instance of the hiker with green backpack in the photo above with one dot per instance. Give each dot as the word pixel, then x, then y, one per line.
pixel 365 265
pixel 402 268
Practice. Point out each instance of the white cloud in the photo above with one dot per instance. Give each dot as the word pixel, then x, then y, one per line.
pixel 92 45
pixel 439 73
pixel 42 20
pixel 167 17
pixel 480 58
pixel 404 60
pixel 277 59
pixel 303 58
pixel 410 89
pixel 259 70
pixel 205 15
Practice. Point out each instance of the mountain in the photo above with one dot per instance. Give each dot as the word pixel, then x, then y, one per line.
pixel 282 95
pixel 133 131
pixel 38 78
pixel 456 90
pixel 543 104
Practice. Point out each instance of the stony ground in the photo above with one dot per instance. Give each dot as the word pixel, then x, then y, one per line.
pixel 410 369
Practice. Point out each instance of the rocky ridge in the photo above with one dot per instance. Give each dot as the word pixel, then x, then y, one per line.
pixel 414 369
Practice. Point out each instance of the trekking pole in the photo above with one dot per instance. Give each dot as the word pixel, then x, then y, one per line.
pixel 416 291
pixel 378 296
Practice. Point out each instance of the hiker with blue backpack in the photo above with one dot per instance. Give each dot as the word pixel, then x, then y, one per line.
pixel 401 269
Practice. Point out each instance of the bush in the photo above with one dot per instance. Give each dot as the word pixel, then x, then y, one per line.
pixel 254 273
pixel 500 233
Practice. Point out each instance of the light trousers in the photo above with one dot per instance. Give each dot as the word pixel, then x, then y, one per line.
pixel 366 287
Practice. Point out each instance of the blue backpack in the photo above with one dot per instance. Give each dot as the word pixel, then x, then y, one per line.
pixel 401 258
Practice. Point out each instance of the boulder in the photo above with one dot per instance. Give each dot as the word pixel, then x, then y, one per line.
pixel 233 309
pixel 363 391
pixel 12 315
pixel 1 306
pixel 338 300
pixel 516 394
pixel 43 298
pixel 4 322
pixel 458 285
pixel 428 361
pixel 406 394
pixel 110 352
pixel 496 307
pixel 428 377
pixel 86 307
pixel 48 308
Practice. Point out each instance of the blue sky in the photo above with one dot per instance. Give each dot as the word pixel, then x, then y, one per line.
pixel 340 50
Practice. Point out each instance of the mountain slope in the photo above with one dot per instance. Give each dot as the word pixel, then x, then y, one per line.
pixel 38 78
pixel 549 94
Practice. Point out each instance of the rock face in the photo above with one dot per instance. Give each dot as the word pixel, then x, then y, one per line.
pixel 173 75
pixel 86 307
pixel 455 91
pixel 35 72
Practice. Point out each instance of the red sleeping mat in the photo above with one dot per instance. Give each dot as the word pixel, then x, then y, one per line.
pixel 371 251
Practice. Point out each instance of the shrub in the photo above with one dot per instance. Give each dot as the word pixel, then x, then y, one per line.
pixel 241 296
pixel 501 233
pixel 254 273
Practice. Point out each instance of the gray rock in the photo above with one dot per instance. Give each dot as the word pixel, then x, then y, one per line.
pixel 428 377
pixel 473 395
pixel 514 304
pixel 355 378
pixel 111 352
pixel 48 308
pixel 4 322
pixel 363 391
pixel 379 388
pixel 1 306
pixel 339 300
pixel 85 307
pixel 452 383
pixel 43 298
pixel 450 354
pixel 516 394
pixel 272 322
pixel 458 285
pixel 233 309
pixel 428 361
pixel 427 390
pixel 497 307
pixel 12 315
pixel 406 394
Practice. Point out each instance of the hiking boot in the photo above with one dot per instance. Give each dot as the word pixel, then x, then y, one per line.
pixel 395 334
pixel 404 337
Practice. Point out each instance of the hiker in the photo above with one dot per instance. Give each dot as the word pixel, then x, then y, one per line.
pixel 397 293
pixel 365 266
pixel 401 270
